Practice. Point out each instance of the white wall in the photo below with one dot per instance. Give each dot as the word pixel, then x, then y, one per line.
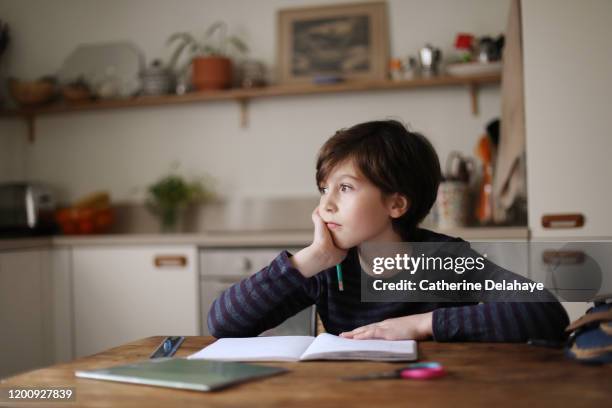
pixel 274 156
pixel 12 150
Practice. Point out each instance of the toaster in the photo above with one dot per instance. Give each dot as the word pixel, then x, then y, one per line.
pixel 26 209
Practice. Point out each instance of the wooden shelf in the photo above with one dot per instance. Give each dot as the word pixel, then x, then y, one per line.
pixel 243 96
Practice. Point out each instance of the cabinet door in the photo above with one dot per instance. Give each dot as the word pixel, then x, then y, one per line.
pixel 22 311
pixel 568 94
pixel 123 294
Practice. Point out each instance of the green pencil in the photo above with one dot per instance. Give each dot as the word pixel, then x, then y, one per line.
pixel 339 273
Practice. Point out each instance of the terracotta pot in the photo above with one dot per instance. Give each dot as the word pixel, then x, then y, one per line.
pixel 212 73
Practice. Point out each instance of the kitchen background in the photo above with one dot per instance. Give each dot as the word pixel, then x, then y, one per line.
pixel 74 295
pixel 121 150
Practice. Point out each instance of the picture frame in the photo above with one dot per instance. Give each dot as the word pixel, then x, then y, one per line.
pixel 349 40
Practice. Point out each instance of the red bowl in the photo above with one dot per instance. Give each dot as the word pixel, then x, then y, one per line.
pixel 85 221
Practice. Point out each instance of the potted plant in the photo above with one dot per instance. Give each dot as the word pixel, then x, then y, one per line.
pixel 169 197
pixel 210 58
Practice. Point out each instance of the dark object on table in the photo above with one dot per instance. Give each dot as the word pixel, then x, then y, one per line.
pixel 591 336
pixel 168 347
pixel 545 343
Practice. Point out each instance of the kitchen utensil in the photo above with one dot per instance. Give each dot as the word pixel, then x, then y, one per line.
pixel 430 58
pixel 459 168
pixel 485 152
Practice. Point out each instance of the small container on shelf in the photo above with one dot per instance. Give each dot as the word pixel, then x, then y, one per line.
pixel 32 93
pixel 396 70
pixel 411 68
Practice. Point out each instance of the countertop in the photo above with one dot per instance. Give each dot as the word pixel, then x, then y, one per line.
pixel 234 239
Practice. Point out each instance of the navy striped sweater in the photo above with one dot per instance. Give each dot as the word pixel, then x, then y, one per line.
pixel 279 291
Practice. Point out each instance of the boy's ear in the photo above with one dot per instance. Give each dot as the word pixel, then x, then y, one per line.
pixel 398 204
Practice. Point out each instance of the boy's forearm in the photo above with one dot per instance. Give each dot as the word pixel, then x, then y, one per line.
pixel 500 321
pixel 261 301
pixel 309 261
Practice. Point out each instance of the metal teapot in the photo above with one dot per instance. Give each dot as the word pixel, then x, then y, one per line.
pixel 430 58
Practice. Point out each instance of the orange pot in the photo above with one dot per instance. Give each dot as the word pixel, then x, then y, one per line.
pixel 212 73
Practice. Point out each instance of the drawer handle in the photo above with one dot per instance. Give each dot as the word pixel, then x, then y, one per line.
pixel 552 257
pixel 170 260
pixel 563 220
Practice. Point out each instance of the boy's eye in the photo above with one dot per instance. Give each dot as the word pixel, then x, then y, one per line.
pixel 322 190
pixel 345 187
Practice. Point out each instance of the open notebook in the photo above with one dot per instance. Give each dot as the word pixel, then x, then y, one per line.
pixel 298 348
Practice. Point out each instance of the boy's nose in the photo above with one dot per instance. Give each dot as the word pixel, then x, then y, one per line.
pixel 328 203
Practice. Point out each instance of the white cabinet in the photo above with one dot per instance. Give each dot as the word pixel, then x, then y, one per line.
pixel 125 293
pixel 568 120
pixel 61 304
pixel 25 324
pixel 568 99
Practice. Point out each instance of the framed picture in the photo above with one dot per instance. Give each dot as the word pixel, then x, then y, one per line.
pixel 347 40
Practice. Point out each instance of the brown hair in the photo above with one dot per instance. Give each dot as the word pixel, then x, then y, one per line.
pixel 394 159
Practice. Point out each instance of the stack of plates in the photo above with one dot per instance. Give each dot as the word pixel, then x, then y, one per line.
pixel 474 68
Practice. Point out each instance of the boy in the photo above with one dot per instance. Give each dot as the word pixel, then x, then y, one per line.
pixel 377 182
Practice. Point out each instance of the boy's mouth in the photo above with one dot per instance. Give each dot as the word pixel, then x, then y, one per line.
pixel 332 225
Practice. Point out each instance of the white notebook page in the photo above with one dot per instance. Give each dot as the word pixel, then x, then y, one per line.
pixel 330 347
pixel 272 348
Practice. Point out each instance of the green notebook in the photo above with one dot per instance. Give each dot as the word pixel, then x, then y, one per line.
pixel 199 375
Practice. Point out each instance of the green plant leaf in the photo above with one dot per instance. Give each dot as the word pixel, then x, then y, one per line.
pixel 238 44
pixel 184 39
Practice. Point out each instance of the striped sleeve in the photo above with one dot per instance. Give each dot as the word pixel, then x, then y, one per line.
pixel 262 301
pixel 501 322
pixel 507 319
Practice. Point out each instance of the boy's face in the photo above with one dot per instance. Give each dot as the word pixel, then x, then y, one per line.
pixel 355 210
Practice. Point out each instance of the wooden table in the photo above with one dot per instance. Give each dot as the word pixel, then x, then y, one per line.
pixel 497 375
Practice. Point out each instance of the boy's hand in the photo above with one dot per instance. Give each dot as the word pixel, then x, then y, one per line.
pixel 323 242
pixel 414 327
pixel 322 253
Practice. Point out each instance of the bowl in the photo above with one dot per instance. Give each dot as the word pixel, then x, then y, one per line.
pixel 31 93
pixel 85 221
pixel 76 93
pixel 474 68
